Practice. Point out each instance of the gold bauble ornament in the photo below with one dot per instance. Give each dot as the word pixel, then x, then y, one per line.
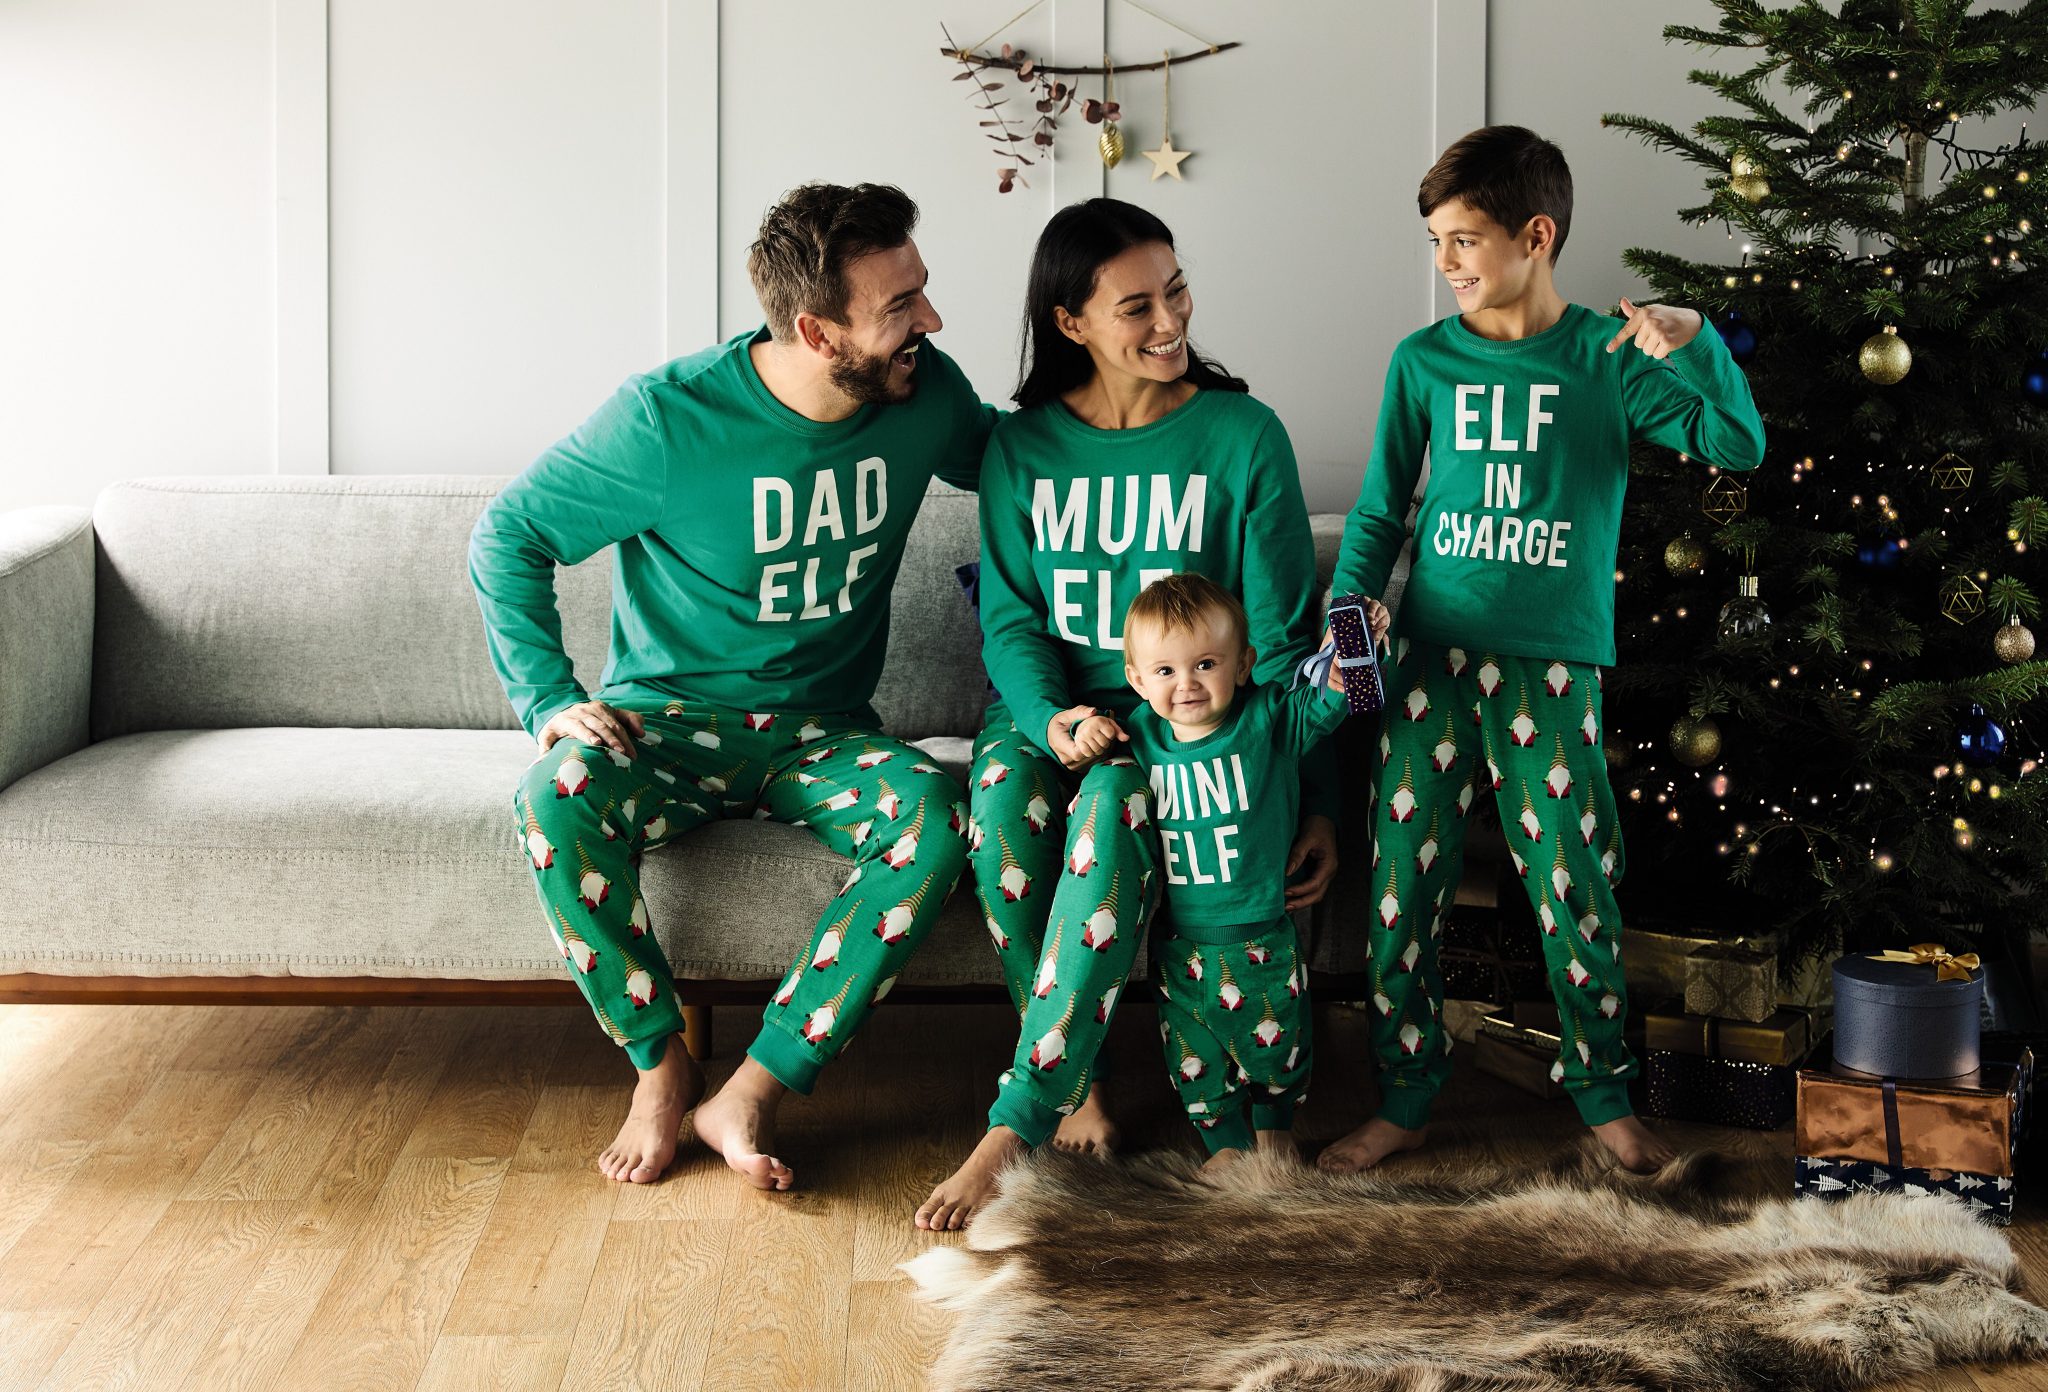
pixel 1741 166
pixel 1696 743
pixel 1111 144
pixel 1885 358
pixel 1684 556
pixel 1753 187
pixel 2013 643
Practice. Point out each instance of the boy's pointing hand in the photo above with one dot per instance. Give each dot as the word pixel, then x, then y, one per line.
pixel 1658 330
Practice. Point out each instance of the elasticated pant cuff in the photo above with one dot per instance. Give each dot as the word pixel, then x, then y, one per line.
pixel 786 1058
pixel 1407 1108
pixel 1602 1102
pixel 1273 1116
pixel 1024 1114
pixel 648 1050
pixel 1231 1133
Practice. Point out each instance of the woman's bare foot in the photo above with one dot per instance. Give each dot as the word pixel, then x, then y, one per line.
pixel 1090 1130
pixel 647 1142
pixel 1368 1145
pixel 960 1196
pixel 1222 1160
pixel 1279 1144
pixel 1635 1145
pixel 739 1123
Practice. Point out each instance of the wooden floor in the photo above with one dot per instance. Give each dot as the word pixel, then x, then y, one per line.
pixel 402 1197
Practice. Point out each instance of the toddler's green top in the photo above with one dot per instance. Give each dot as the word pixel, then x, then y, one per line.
pixel 1226 806
pixel 1528 441
pixel 756 547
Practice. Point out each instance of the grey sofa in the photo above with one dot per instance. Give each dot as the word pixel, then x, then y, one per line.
pixel 249 734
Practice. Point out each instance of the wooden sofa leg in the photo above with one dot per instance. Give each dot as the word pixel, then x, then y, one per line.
pixel 697 1031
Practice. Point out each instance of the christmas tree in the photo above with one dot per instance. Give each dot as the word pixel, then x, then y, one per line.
pixel 1828 717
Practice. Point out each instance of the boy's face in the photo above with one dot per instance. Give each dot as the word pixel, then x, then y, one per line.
pixel 1188 676
pixel 1486 265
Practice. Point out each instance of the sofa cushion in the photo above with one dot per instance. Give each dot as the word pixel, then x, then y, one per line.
pixel 336 852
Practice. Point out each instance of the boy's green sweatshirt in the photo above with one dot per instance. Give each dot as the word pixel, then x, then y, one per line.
pixel 1528 440
pixel 756 548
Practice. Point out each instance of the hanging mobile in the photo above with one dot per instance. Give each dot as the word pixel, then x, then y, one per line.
pixel 1166 159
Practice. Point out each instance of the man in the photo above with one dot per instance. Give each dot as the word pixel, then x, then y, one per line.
pixel 759 493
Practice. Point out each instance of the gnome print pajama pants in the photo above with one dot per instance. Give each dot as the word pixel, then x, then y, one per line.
pixel 1460 723
pixel 1234 1015
pixel 587 815
pixel 1065 883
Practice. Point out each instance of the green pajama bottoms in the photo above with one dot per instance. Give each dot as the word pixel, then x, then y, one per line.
pixel 587 815
pixel 1234 1026
pixel 1063 870
pixel 1460 723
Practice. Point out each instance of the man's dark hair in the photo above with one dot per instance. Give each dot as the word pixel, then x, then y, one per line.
pixel 1509 173
pixel 798 263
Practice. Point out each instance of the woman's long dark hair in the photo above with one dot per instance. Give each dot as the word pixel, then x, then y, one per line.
pixel 1071 252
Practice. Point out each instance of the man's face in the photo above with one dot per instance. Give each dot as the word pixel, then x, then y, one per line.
pixel 887 320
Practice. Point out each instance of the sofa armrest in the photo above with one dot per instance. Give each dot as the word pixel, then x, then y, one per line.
pixel 46 626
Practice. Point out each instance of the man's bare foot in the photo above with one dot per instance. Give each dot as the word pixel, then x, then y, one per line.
pixel 1635 1145
pixel 739 1123
pixel 1368 1145
pixel 647 1142
pixel 953 1204
pixel 1279 1144
pixel 1090 1130
pixel 1222 1160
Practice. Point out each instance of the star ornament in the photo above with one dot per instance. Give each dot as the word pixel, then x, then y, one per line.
pixel 1166 159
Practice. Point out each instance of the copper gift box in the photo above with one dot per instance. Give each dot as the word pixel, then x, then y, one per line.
pixel 1968 1123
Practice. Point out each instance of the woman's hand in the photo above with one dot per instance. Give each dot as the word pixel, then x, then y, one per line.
pixel 1316 841
pixel 1092 736
pixel 598 725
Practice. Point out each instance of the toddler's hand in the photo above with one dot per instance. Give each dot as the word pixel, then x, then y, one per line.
pixel 1078 736
pixel 1095 736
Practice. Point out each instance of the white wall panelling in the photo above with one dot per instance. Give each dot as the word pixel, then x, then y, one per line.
pixel 299 100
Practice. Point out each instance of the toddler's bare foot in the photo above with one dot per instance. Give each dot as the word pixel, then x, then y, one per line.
pixel 1368 1145
pixel 1635 1145
pixel 739 1123
pixel 1091 1129
pixel 647 1142
pixel 1280 1144
pixel 961 1195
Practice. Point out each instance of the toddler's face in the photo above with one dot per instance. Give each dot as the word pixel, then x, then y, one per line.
pixel 1188 676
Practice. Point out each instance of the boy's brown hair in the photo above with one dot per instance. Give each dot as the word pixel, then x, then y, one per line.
pixel 798 263
pixel 1183 601
pixel 1509 173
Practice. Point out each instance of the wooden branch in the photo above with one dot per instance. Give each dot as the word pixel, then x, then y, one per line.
pixel 962 56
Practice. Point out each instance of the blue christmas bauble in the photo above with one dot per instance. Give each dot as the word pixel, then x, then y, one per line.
pixel 2035 382
pixel 1979 738
pixel 1737 334
pixel 1879 553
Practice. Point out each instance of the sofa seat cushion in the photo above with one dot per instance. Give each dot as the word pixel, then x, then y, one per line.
pixel 377 852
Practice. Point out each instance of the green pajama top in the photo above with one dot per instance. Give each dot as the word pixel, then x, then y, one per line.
pixel 1075 521
pixel 1225 805
pixel 1528 441
pixel 756 547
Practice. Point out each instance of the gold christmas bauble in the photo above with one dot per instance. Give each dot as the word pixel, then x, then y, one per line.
pixel 1741 166
pixel 1111 143
pixel 1696 743
pixel 1685 556
pixel 1753 187
pixel 1885 358
pixel 2013 643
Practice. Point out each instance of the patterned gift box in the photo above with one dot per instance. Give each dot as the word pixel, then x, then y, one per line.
pixel 1478 961
pixel 1970 1124
pixel 1653 963
pixel 1735 981
pixel 1718 1091
pixel 1988 1196
pixel 1781 1039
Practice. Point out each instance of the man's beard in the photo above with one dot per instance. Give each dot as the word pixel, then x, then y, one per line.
pixel 864 377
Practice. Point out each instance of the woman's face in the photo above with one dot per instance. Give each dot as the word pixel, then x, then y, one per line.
pixel 1136 322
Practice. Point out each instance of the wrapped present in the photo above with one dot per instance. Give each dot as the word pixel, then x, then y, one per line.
pixel 1733 980
pixel 1971 1123
pixel 1653 963
pixel 1526 1068
pixel 1480 962
pixel 1358 666
pixel 1911 1013
pixel 1533 1025
pixel 1718 1091
pixel 1782 1038
pixel 1988 1196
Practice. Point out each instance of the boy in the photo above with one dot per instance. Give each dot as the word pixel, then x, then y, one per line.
pixel 1223 759
pixel 1527 411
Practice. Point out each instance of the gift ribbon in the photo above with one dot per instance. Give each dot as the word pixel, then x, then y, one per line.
pixel 1947 966
pixel 1891 1125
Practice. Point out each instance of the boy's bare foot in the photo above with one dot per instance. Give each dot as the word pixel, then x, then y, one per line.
pixel 1090 1130
pixel 960 1195
pixel 647 1142
pixel 1368 1145
pixel 1635 1145
pixel 1222 1160
pixel 739 1123
pixel 1279 1144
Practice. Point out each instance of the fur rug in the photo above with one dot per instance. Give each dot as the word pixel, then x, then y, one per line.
pixel 1462 1278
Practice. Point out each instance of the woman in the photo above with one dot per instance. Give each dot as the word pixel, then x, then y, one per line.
pixel 1130 457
